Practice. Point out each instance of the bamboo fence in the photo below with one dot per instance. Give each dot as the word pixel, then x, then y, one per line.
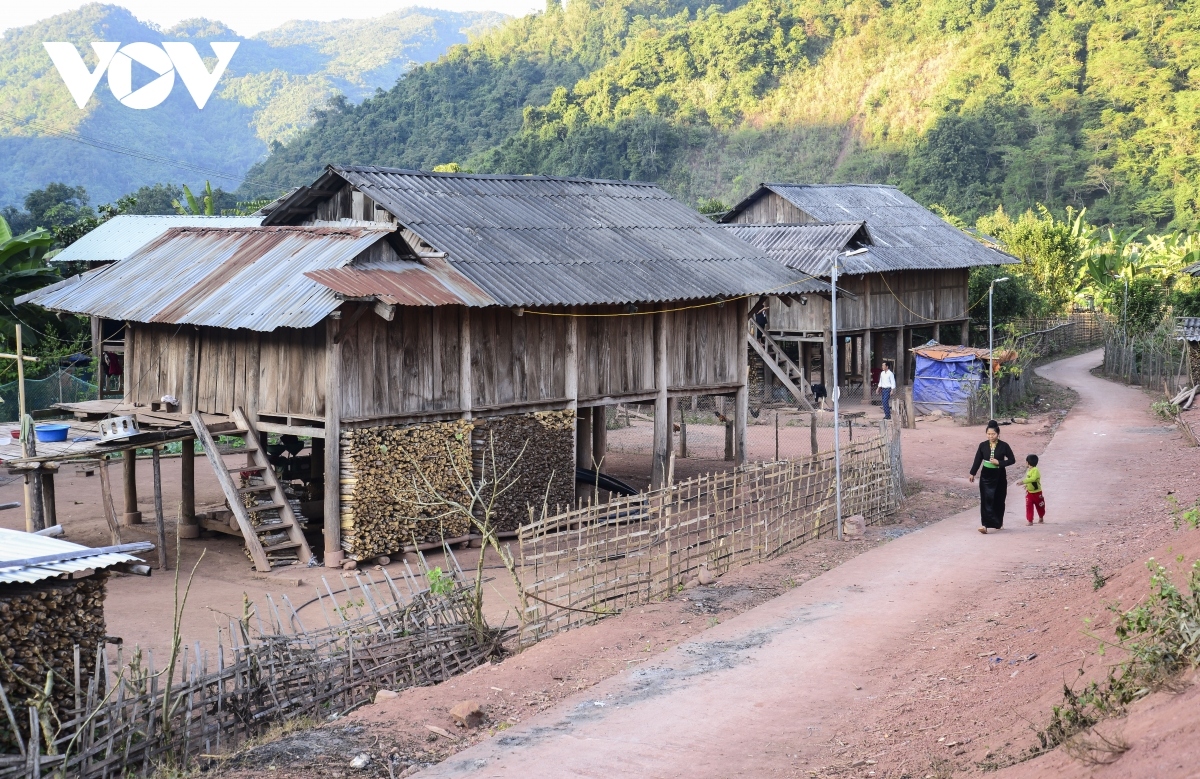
pixel 600 559
pixel 131 718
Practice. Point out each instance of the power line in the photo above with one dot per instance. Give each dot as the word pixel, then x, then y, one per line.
pixel 129 151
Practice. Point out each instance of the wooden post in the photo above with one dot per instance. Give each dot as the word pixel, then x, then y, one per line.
pixel 49 510
pixel 583 439
pixel 901 359
pixel 571 373
pixel 812 431
pixel 466 389
pixel 965 333
pixel 729 441
pixel 599 435
pixel 937 331
pixel 866 367
pixel 827 377
pixel 333 465
pixel 776 436
pixel 160 523
pixel 662 414
pixel 683 452
pixel 188 528
pixel 132 516
pixel 187 398
pixel 742 408
pixel 25 443
pixel 106 499
pixel 97 358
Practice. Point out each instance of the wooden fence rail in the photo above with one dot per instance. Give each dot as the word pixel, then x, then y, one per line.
pixel 131 717
pixel 601 559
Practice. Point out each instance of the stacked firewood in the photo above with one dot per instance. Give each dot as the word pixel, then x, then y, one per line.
pixel 40 626
pixel 397 484
pixel 542 447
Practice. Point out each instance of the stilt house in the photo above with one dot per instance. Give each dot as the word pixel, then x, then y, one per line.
pixel 410 324
pixel 907 287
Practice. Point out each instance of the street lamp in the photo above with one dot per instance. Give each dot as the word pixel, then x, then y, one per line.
pixel 837 392
pixel 991 354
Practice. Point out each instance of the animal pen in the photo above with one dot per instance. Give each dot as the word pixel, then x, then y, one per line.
pixel 385 323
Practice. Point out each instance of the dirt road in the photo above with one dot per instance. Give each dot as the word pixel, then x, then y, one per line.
pixel 761 694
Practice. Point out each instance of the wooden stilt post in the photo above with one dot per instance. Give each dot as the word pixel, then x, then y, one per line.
pixel 188 528
pixel 812 431
pixel 742 400
pixel 599 435
pixel 965 333
pixel 333 461
pixel 160 522
pixel 583 439
pixel 129 480
pixel 106 499
pixel 49 510
pixel 662 414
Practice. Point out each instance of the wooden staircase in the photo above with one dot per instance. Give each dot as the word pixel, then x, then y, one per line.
pixel 268 524
pixel 788 373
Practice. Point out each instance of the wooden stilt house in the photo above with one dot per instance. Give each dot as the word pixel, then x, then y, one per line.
pixel 907 287
pixel 414 325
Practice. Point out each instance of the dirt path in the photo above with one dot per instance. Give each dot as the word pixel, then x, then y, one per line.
pixel 763 694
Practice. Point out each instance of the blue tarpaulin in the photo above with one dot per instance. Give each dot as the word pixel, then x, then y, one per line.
pixel 946 378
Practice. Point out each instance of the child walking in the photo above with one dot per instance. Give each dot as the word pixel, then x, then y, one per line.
pixel 1033 491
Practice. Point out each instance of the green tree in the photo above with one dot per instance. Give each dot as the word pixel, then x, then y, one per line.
pixel 1011 299
pixel 1147 304
pixel 23 269
pixel 1049 249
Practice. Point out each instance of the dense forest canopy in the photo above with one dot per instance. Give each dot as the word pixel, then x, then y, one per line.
pixel 970 104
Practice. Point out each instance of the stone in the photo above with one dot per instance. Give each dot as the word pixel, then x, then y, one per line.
pixel 705 576
pixel 349 565
pixel 854 527
pixel 360 762
pixel 468 714
pixel 386 695
pixel 383 560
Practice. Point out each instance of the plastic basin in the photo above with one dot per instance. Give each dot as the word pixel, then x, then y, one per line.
pixel 51 432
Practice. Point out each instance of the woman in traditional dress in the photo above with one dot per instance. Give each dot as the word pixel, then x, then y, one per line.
pixel 994 456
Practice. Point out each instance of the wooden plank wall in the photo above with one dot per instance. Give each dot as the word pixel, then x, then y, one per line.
pixel 516 359
pixel 279 372
pixel 772 209
pixel 616 354
pixel 939 295
pixel 703 345
pixel 407 365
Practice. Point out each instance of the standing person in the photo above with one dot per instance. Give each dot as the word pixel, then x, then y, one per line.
pixel 1033 491
pixel 887 383
pixel 994 455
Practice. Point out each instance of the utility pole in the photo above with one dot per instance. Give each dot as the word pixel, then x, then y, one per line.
pixel 837 390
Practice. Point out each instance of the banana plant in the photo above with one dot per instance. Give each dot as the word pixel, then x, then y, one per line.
pixel 205 205
pixel 22 269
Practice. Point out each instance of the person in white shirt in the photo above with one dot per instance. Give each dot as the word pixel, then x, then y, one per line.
pixel 887 383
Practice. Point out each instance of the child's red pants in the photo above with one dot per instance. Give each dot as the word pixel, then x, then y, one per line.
pixel 1034 500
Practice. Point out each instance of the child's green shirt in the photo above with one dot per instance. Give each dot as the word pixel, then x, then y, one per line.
pixel 1032 480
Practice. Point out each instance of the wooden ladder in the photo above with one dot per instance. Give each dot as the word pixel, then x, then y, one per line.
pixel 277 530
pixel 788 373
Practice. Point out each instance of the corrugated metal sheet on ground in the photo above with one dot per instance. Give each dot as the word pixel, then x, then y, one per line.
pixel 122 235
pixel 1188 328
pixel 16 545
pixel 537 240
pixel 904 234
pixel 249 278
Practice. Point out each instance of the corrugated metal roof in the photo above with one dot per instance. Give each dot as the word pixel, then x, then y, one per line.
pixel 1192 270
pixel 431 282
pixel 122 235
pixel 1187 328
pixel 21 546
pixel 904 234
pixel 538 240
pixel 250 278
pixel 805 247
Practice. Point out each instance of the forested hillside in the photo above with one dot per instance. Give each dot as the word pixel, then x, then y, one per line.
pixel 268 95
pixel 966 103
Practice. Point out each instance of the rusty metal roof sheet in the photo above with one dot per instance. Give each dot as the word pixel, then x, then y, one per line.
pixel 122 235
pixel 23 546
pixel 431 282
pixel 904 234
pixel 539 240
pixel 249 278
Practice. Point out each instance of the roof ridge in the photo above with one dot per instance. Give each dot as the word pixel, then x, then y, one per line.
pixel 488 176
pixel 842 184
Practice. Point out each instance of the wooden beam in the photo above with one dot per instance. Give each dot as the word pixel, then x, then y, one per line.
pixel 741 409
pixel 278 429
pixel 466 388
pixel 662 420
pixel 386 310
pixel 132 516
pixel 160 523
pixel 333 461
pixel 599 434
